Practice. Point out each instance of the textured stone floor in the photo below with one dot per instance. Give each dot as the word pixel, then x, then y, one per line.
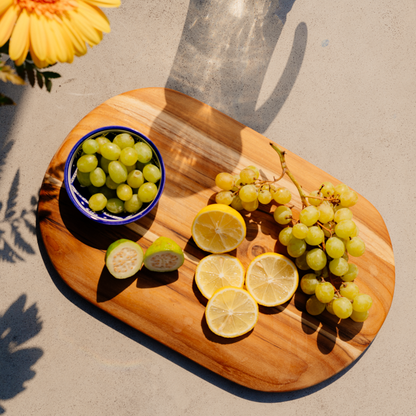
pixel 334 82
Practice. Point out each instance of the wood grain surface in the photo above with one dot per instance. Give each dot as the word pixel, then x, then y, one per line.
pixel 288 349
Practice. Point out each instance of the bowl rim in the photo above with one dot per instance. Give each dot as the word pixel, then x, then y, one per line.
pixel 69 185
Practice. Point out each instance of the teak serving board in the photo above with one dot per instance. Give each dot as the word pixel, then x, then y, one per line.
pixel 288 349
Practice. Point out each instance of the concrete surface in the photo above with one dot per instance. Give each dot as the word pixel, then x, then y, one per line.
pixel 332 81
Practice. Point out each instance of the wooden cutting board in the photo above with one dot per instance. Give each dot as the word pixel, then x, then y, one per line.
pixel 288 349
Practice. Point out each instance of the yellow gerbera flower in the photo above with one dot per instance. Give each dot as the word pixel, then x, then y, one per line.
pixel 52 30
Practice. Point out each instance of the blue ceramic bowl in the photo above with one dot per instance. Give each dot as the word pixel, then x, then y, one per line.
pixel 79 195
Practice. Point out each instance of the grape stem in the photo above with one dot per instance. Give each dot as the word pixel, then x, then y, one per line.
pixel 285 170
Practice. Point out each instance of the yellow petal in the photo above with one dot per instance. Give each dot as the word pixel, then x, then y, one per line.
pixel 4 4
pixel 95 16
pixel 76 37
pixel 19 44
pixel 63 52
pixel 104 3
pixel 38 62
pixel 7 21
pixel 84 28
pixel 52 54
pixel 38 40
pixel 19 61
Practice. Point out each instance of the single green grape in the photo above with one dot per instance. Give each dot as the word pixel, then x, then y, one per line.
pixel 250 206
pixel 248 176
pixel 128 156
pixel 110 183
pixel 326 212
pixel 285 235
pixel 339 189
pixel 334 247
pixel 349 198
pixel 345 228
pixel 362 302
pixel 124 192
pixel 282 215
pixel 314 307
pixel 308 283
pixel 144 152
pixel 256 171
pixel 324 292
pixel 349 290
pixel 315 236
pixel 342 307
pixel 300 231
pixel 351 274
pixel 110 151
pixel 133 204
pixel 338 267
pixel 264 196
pixel 309 215
pixel 330 307
pixel 225 181
pixel 104 164
pixel 117 171
pixel 316 259
pixel 296 247
pixel 97 202
pixel 152 173
pixel 83 178
pixel 147 192
pixel 359 316
pixel 315 201
pixel 101 141
pixel 282 195
pixel 135 179
pixel 87 163
pixel 301 262
pixel 343 214
pixel 123 140
pixel 224 197
pixel 236 203
pixel 248 193
pixel 115 205
pixel 90 146
pixel 98 177
pixel 356 247
pixel 327 189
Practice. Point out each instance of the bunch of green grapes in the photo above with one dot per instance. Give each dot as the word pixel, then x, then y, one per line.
pixel 246 190
pixel 119 174
pixel 321 242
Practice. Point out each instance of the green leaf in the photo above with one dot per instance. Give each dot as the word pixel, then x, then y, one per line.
pixel 50 74
pixel 6 100
pixel 21 71
pixel 48 84
pixel 30 75
pixel 39 77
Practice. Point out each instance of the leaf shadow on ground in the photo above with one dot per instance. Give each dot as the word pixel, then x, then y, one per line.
pixel 17 326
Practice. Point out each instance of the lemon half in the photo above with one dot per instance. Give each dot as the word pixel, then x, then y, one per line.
pixel 272 279
pixel 218 228
pixel 216 271
pixel 231 312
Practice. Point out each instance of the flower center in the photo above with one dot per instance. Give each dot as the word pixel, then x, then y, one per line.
pixel 47 7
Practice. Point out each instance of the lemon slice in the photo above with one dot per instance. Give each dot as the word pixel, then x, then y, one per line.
pixel 231 312
pixel 218 228
pixel 216 271
pixel 272 279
